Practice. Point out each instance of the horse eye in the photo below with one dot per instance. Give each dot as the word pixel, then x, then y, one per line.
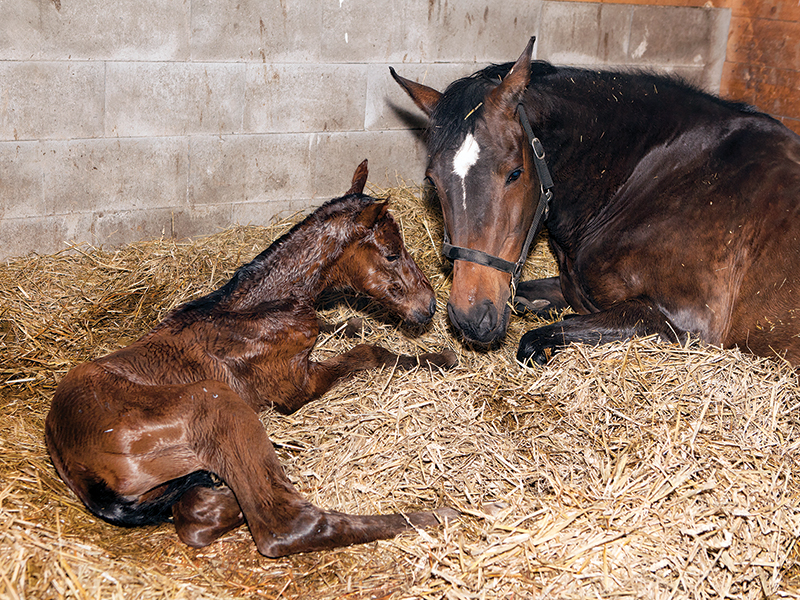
pixel 515 174
pixel 392 257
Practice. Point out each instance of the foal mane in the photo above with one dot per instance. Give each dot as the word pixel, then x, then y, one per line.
pixel 307 233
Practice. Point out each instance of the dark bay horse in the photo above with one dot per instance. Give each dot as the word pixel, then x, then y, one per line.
pixel 151 432
pixel 673 212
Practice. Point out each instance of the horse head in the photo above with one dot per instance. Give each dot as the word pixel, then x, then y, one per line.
pixel 482 168
pixel 377 263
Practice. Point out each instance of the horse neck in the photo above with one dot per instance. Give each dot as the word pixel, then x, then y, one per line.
pixel 298 265
pixel 593 132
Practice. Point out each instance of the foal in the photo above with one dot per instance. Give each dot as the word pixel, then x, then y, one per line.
pixel 167 428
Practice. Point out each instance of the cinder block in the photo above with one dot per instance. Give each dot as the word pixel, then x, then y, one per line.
pixel 394 156
pixel 145 99
pixel 50 100
pixel 269 31
pixel 115 175
pixel 365 32
pixel 305 98
pixel 252 168
pixel 95 30
pixel 470 30
pixel 266 213
pixel 573 33
pixel 124 227
pixel 681 37
pixel 21 189
pixel 44 235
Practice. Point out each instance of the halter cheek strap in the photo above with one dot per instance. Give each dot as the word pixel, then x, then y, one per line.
pixel 482 258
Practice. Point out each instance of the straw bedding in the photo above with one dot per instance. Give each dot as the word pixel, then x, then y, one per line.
pixel 632 470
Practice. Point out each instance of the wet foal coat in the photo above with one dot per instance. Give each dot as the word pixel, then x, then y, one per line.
pixel 673 212
pixel 151 432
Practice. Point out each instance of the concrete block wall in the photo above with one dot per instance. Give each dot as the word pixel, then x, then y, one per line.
pixel 137 119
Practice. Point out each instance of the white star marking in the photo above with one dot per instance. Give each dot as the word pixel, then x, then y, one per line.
pixel 463 160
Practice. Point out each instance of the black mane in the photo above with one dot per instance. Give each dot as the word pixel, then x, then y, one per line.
pixel 461 105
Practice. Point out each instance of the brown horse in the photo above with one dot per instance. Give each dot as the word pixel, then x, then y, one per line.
pixel 673 212
pixel 167 428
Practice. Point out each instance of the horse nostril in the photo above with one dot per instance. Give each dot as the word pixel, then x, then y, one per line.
pixel 487 316
pixel 432 307
pixel 480 325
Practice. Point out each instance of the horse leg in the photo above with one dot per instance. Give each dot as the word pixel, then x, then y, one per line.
pixel 541 297
pixel 351 328
pixel 319 377
pixel 203 514
pixel 621 322
pixel 230 441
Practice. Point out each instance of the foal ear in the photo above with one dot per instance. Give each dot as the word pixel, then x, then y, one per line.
pixel 372 214
pixel 359 179
pixel 423 96
pixel 508 94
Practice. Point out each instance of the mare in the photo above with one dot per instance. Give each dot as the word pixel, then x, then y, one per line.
pixel 673 212
pixel 167 428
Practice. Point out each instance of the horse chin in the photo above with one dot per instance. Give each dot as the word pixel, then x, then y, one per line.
pixel 483 325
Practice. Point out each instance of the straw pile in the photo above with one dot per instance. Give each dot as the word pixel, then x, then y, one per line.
pixel 631 470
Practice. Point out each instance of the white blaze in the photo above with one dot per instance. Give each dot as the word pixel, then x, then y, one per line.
pixel 463 160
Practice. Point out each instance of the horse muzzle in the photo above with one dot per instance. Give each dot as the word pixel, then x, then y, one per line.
pixel 482 324
pixel 422 315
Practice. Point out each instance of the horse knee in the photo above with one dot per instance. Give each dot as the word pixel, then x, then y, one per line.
pixel 204 514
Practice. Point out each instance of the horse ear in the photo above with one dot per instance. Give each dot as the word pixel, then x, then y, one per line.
pixel 422 95
pixel 508 94
pixel 372 214
pixel 359 179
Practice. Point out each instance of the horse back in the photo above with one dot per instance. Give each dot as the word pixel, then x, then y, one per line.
pixel 706 224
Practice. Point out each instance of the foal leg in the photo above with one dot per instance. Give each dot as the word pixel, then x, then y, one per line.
pixel 204 514
pixel 321 376
pixel 230 441
pixel 634 318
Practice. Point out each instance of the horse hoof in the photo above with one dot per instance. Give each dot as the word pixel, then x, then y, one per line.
pixel 536 347
pixel 446 359
pixel 538 308
pixel 447 514
pixel 353 327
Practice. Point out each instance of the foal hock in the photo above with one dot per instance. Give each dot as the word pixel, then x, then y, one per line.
pixel 167 428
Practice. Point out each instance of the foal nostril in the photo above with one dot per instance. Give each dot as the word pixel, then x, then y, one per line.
pixel 432 307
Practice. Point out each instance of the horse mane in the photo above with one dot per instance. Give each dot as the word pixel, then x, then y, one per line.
pixel 461 105
pixel 312 225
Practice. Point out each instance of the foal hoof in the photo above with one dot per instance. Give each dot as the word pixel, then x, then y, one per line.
pixel 446 359
pixel 447 514
pixel 353 327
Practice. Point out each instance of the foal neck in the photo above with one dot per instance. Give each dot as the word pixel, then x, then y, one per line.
pixel 300 263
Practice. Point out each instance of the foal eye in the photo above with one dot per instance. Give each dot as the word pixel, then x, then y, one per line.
pixel 392 257
pixel 515 174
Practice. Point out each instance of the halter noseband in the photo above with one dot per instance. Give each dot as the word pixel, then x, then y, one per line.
pixel 482 258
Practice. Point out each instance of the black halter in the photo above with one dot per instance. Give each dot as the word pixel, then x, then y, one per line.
pixel 482 258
